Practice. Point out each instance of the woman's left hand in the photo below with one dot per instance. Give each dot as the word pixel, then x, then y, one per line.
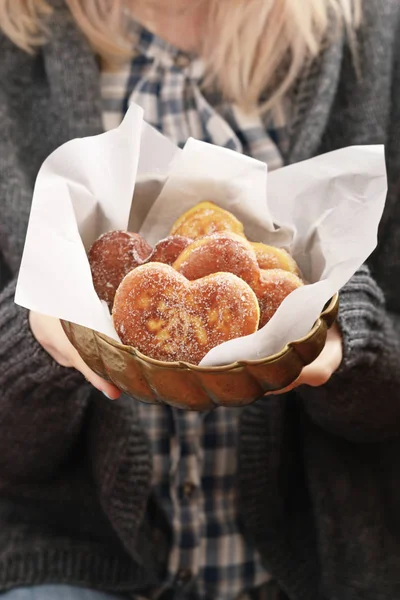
pixel 321 370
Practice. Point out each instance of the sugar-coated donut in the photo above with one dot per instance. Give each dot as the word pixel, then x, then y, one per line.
pixel 204 219
pixel 270 257
pixel 167 250
pixel 221 252
pixel 166 317
pixel 272 289
pixel 111 257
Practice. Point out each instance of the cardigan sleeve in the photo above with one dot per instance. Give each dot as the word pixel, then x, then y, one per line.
pixel 362 400
pixel 41 404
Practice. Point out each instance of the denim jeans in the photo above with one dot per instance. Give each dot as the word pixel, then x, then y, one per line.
pixel 56 592
pixel 66 592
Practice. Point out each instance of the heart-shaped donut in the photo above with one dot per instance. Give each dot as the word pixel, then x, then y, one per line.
pixel 221 252
pixel 272 289
pixel 166 317
pixel 167 250
pixel 115 253
pixel 270 257
pixel 111 257
pixel 204 219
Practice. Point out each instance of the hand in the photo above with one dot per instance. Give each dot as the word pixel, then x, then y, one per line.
pixel 50 335
pixel 321 370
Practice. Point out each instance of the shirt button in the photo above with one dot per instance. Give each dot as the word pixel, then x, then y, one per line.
pixel 188 489
pixel 182 61
pixel 183 577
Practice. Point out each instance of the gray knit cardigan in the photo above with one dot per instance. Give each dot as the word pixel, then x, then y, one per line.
pixel 319 469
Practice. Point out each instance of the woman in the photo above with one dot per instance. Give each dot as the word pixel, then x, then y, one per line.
pixel 296 496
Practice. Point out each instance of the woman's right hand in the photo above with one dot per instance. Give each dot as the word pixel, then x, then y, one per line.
pixel 50 335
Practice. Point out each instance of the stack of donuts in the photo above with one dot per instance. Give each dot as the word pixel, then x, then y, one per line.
pixel 201 286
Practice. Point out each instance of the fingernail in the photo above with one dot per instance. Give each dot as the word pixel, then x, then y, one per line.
pixel 107 396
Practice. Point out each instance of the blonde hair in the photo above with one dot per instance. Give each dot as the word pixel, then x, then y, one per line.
pixel 250 46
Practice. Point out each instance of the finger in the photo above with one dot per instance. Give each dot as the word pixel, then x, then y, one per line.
pixel 318 372
pixel 72 358
pixel 67 356
pixel 314 375
pixel 98 382
pixel 321 370
pixel 285 390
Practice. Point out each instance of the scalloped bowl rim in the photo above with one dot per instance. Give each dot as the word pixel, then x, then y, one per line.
pixel 182 365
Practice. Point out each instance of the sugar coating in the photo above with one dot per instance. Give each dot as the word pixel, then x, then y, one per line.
pixel 270 257
pixel 274 286
pixel 221 252
pixel 226 286
pixel 111 257
pixel 166 317
pixel 167 250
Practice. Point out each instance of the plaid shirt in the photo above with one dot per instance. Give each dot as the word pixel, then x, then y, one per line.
pixel 195 455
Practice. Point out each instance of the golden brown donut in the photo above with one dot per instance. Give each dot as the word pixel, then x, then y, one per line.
pixel 204 219
pixel 111 257
pixel 167 250
pixel 273 287
pixel 269 257
pixel 221 252
pixel 166 317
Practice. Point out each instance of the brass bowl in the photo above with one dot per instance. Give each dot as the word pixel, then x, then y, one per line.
pixel 197 388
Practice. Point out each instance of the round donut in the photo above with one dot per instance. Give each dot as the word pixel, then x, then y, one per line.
pixel 270 257
pixel 272 289
pixel 167 250
pixel 111 257
pixel 168 318
pixel 204 219
pixel 221 252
